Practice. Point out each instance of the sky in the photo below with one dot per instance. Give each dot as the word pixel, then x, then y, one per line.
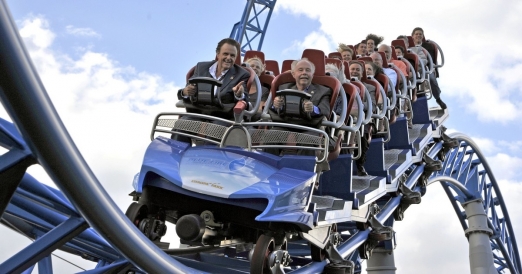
pixel 110 67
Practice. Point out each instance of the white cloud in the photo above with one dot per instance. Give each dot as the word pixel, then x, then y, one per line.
pixel 88 32
pixel 314 40
pixel 481 67
pixel 107 108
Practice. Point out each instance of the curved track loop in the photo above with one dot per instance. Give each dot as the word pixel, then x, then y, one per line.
pixel 467 164
pixel 25 99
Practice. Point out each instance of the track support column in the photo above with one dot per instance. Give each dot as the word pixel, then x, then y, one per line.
pixel 478 233
pixel 382 261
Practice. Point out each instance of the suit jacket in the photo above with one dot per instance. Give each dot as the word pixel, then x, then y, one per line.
pixel 233 76
pixel 320 98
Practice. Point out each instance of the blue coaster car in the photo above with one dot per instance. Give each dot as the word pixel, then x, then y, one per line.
pixel 222 189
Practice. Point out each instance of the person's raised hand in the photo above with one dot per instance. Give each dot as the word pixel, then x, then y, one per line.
pixel 238 89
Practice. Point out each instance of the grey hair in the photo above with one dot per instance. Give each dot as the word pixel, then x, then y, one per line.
pixel 294 63
pixel 338 74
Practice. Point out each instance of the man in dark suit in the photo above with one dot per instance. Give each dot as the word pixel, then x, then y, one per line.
pixel 234 77
pixel 418 37
pixel 319 104
pixel 224 69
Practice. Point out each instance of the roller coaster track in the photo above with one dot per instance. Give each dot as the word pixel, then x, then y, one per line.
pixel 47 216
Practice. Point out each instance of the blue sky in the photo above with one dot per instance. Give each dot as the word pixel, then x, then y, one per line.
pixel 109 67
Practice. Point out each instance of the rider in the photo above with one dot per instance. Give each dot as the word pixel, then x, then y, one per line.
pixel 234 77
pixel 319 104
pixel 223 68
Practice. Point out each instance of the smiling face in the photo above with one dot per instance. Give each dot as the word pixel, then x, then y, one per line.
pixel 256 65
pixel 347 55
pixel 226 56
pixel 303 73
pixel 356 70
pixel 369 70
pixel 418 35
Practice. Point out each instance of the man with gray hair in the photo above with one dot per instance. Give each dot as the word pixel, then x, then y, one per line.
pixel 303 73
pixel 392 75
pixel 388 53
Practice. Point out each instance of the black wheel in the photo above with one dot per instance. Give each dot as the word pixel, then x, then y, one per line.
pixel 136 213
pixel 259 261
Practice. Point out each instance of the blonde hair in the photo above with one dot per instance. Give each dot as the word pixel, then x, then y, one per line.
pixel 255 58
pixel 343 47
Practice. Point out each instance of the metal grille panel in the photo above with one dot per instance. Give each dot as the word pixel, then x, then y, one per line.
pixel 196 127
pixel 268 137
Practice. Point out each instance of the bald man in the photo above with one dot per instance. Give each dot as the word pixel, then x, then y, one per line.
pixel 392 75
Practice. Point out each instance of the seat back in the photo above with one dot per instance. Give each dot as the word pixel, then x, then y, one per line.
pixel 399 42
pixel 266 80
pixel 351 90
pixel 273 66
pixel 317 58
pixel 394 54
pixel 286 66
pixel 365 58
pixel 384 61
pixel 335 55
pixel 254 53
pixel 338 63
pixel 410 41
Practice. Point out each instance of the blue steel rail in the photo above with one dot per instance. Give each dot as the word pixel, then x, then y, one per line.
pixel 468 165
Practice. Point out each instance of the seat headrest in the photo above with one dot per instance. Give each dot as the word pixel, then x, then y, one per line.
pixel 254 53
pixel 394 55
pixel 317 58
pixel 399 42
pixel 286 66
pixel 384 62
pixel 338 63
pixel 273 66
pixel 410 41
pixel 335 54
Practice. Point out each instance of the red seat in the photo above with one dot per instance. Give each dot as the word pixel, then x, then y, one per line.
pixel 317 58
pixel 410 41
pixel 320 78
pixel 336 55
pixel 286 66
pixel 273 66
pixel 254 53
pixel 351 91
pixel 365 58
pixel 338 63
pixel 266 80
pixel 385 82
